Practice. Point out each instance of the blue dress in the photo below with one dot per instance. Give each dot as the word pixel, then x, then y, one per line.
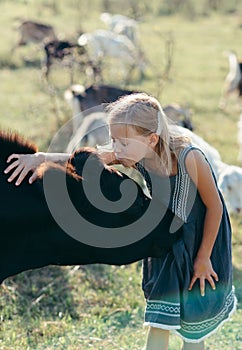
pixel 169 303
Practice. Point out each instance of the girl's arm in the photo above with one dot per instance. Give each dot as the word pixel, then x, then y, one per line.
pixel 25 163
pixel 200 172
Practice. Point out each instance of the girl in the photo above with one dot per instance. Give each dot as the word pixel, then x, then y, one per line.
pixel 188 289
pixel 174 284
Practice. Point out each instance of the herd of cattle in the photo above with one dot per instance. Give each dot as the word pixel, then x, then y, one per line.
pixel 121 41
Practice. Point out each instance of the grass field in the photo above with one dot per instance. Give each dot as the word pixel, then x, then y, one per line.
pixel 101 307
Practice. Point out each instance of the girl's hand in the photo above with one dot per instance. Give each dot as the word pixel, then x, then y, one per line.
pixel 22 165
pixel 203 271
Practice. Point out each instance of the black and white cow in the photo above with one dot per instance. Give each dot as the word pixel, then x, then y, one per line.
pixel 83 99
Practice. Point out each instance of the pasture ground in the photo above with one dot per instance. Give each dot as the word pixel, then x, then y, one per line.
pixel 101 307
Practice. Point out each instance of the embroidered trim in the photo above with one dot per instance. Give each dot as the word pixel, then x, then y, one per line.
pixel 163 307
pixel 182 186
pixel 214 330
pixel 193 330
pixel 205 325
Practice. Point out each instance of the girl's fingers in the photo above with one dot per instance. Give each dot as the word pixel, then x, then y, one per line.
pixel 11 167
pixel 15 173
pixel 33 177
pixel 215 276
pixel 202 282
pixel 21 165
pixel 192 282
pixel 212 284
pixel 22 175
pixel 12 156
pixel 202 286
pixel 212 278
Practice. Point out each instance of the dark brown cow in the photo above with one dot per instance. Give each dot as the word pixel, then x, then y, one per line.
pixel 57 50
pixel 31 237
pixel 71 54
pixel 34 32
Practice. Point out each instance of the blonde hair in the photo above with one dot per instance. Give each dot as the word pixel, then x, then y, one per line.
pixel 145 114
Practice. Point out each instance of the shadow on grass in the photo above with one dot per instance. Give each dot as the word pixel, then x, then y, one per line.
pixel 42 292
pixel 49 292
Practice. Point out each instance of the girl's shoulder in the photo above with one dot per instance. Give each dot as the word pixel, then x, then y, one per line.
pixel 192 159
pixel 190 151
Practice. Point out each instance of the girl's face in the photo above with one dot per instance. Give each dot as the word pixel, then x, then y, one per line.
pixel 129 146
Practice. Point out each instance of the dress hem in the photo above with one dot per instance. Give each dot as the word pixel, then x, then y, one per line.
pixel 175 329
pixel 161 326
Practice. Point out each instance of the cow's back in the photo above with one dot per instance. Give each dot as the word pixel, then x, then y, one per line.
pixel 36 32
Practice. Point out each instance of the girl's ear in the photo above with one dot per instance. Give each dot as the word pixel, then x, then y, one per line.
pixel 154 139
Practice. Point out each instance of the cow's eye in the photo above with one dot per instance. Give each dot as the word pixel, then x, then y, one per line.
pixel 229 188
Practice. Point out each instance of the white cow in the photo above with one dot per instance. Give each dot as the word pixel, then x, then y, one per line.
pixel 93 131
pixel 104 43
pixel 211 153
pixel 123 25
pixel 230 184
pixel 229 177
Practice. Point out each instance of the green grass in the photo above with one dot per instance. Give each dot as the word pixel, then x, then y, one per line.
pixel 101 307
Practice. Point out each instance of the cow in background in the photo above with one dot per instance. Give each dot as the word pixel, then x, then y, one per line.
pixel 122 25
pixel 233 80
pixel 71 54
pixel 179 115
pixel 229 177
pixel 57 50
pixel 102 44
pixel 34 32
pixel 82 99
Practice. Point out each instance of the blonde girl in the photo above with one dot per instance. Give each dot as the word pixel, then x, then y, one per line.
pixel 188 289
